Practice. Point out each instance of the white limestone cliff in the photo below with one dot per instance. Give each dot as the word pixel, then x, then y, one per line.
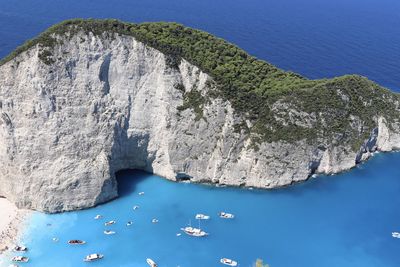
pixel 109 104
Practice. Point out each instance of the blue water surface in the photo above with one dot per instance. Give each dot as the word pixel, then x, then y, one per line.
pixel 316 38
pixel 343 220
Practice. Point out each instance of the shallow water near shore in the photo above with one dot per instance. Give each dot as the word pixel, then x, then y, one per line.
pixel 343 220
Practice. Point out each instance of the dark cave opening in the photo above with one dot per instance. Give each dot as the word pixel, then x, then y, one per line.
pixel 128 179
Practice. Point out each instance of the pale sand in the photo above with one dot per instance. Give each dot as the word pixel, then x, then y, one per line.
pixel 11 221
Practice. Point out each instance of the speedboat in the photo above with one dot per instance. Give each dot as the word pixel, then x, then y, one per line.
pixel 151 263
pixel 225 215
pixel 135 207
pixel 93 257
pixel 141 193
pixel 154 221
pixel 178 234
pixel 76 242
pixel 129 223
pixel 202 217
pixel 396 234
pixel 98 216
pixel 108 232
pixel 20 259
pixel 109 223
pixel 197 232
pixel 55 239
pixel 228 262
pixel 20 249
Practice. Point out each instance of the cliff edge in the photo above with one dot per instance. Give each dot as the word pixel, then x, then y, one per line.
pixel 88 98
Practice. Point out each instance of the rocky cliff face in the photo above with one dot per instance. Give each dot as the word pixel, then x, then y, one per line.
pixel 109 104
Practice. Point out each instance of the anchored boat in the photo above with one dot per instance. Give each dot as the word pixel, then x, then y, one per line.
pixel 76 242
pixel 20 249
pixel 228 262
pixel 108 232
pixel 93 257
pixel 109 223
pixel 20 259
pixel 197 232
pixel 151 263
pixel 202 217
pixel 225 215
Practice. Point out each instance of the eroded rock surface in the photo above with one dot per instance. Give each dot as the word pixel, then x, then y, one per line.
pixel 109 104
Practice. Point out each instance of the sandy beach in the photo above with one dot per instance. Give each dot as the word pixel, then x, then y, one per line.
pixel 11 220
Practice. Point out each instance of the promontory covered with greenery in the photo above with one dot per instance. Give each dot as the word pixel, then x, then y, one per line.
pixel 274 104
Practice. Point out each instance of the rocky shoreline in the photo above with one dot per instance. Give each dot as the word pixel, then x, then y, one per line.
pixel 12 220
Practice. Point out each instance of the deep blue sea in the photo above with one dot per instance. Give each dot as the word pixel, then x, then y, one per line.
pixel 344 220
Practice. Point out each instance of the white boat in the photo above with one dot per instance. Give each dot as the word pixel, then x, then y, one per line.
pixel 225 215
pixel 228 262
pixel 108 232
pixel 202 217
pixel 20 259
pixel 197 232
pixel 55 239
pixel 20 249
pixel 141 193
pixel 192 231
pixel 93 257
pixel 76 242
pixel 151 263
pixel 109 223
pixel 98 216
pixel 13 265
pixel 129 223
pixel 154 221
pixel 135 207
pixel 396 234
pixel 178 234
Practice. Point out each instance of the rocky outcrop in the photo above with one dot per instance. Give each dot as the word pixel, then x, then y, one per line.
pixel 109 104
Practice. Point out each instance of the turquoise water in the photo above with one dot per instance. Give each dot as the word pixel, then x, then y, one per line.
pixel 343 220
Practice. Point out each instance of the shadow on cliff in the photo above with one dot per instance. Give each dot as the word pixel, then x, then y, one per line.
pixel 128 179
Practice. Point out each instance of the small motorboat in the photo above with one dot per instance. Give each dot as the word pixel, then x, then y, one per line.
pixel 20 259
pixel 202 217
pixel 228 262
pixel 178 234
pixel 154 221
pixel 20 249
pixel 129 223
pixel 135 207
pixel 55 239
pixel 76 242
pixel 109 223
pixel 108 232
pixel 93 257
pixel 141 193
pixel 197 232
pixel 98 217
pixel 151 263
pixel 225 215
pixel 13 265
pixel 396 234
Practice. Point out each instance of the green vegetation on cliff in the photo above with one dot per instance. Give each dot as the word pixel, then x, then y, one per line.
pixel 278 105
